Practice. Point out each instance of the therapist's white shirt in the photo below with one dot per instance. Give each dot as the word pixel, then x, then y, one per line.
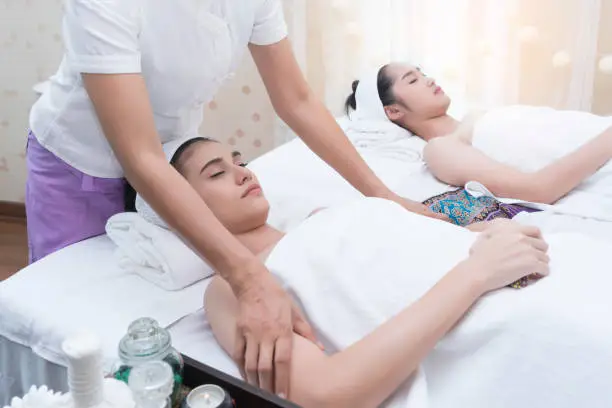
pixel 185 50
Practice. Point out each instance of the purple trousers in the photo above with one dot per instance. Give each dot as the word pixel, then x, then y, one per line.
pixel 64 205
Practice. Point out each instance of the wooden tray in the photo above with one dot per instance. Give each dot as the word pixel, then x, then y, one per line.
pixel 244 394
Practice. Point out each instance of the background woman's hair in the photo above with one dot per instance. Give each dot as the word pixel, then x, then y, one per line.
pixel 385 91
pixel 129 194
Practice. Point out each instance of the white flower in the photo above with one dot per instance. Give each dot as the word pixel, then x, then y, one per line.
pixel 40 398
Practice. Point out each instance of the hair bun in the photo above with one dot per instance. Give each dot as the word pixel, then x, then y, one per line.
pixel 355 84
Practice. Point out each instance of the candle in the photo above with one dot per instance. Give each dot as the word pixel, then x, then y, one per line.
pixel 208 396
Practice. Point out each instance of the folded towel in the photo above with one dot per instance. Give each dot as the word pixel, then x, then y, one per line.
pixel 155 253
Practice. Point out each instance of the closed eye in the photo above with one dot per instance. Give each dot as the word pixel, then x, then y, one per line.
pixel 217 174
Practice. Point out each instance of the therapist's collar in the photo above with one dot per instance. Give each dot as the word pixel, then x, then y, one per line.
pixel 367 98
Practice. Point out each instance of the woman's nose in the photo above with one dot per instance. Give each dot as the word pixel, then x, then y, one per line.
pixel 243 175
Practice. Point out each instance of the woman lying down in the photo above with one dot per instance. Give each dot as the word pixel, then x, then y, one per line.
pixel 530 153
pixel 406 305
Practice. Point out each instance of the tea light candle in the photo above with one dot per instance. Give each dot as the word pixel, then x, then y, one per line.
pixel 208 396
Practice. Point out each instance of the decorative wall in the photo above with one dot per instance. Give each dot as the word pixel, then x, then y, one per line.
pixel 30 51
pixel 484 52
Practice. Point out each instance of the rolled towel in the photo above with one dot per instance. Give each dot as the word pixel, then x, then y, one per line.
pixel 156 254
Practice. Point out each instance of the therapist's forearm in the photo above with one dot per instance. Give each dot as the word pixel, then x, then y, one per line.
pixel 185 211
pixel 123 108
pixel 310 119
pixel 365 374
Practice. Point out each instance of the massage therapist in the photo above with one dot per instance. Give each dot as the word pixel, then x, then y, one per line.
pixel 137 73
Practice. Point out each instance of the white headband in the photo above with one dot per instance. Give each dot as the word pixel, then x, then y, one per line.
pixel 369 105
pixel 142 207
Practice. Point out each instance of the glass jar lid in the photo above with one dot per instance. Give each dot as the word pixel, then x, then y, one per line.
pixel 145 340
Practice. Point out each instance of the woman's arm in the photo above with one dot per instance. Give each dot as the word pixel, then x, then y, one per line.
pixel 368 372
pixel 297 105
pixel 365 374
pixel 456 162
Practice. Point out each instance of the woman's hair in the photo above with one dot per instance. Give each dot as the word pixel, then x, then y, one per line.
pixel 129 195
pixel 385 91
pixel 176 157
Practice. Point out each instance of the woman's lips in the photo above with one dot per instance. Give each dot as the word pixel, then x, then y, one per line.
pixel 254 189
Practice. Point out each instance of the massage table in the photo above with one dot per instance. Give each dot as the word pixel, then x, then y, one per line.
pixel 83 287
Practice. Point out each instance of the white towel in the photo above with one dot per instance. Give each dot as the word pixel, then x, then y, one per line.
pixel 369 128
pixel 155 253
pixel 530 138
pixel 354 267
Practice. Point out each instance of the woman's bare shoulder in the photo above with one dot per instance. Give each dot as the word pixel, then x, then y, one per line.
pixel 465 131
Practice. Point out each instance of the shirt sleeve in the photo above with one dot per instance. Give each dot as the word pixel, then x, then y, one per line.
pixel 270 26
pixel 101 36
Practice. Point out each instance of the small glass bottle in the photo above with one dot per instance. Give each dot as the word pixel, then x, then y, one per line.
pixel 146 341
pixel 152 385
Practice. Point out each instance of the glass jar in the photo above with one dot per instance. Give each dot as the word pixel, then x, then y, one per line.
pixel 151 384
pixel 146 341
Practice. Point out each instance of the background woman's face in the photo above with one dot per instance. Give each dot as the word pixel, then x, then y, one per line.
pixel 416 94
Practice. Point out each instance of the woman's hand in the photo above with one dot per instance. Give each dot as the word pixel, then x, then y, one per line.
pixel 506 252
pixel 267 319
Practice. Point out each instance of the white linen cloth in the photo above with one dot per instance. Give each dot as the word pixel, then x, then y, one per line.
pixel 529 138
pixel 354 267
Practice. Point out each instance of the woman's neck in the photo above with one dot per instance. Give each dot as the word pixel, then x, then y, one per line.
pixel 435 127
pixel 261 239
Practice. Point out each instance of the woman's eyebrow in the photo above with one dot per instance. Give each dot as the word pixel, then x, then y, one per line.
pixel 210 163
pixel 236 153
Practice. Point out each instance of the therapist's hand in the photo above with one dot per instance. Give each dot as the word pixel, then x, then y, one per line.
pixel 264 342
pixel 419 208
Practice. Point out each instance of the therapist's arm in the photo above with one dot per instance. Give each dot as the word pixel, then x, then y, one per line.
pixel 122 106
pixel 368 372
pixel 268 316
pixel 456 162
pixel 296 105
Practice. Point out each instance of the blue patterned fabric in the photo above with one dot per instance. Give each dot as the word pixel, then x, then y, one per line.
pixel 464 209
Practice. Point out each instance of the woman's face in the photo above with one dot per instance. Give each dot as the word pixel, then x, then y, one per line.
pixel 229 189
pixel 416 94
